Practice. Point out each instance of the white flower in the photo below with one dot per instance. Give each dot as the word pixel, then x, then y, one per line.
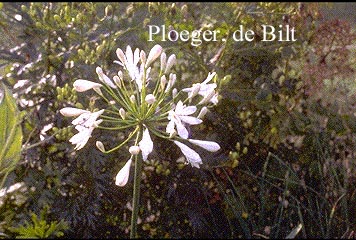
pixel 150 98
pixel 123 175
pixel 192 156
pixel 180 116
pixel 88 119
pixel 204 89
pixel 85 124
pixel 72 112
pixel 82 137
pixel 134 150
pixel 146 144
pixel 81 85
pixel 154 54
pixel 207 145
pixel 103 78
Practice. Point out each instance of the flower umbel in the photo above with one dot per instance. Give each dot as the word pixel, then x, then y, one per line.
pixel 133 104
pixel 142 99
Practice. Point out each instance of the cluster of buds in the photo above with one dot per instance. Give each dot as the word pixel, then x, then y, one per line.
pixel 137 102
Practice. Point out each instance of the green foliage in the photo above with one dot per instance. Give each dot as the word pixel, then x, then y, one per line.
pixel 10 134
pixel 40 228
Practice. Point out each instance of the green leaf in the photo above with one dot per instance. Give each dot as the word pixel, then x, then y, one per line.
pixel 10 133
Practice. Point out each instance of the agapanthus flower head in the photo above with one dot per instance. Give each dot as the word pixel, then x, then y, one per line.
pixel 142 98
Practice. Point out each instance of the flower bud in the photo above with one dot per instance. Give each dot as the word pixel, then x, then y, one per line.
pixel 121 55
pixel 150 99
pixel 103 78
pixel 134 150
pixel 153 55
pixel 72 112
pixel 163 61
pixel 123 175
pixel 81 85
pixel 163 81
pixel 100 146
pixel 122 113
pixel 133 98
pixel 117 81
pixel 202 112
pixel 120 75
pixel 171 81
pixel 174 92
pixel 143 57
pixel 170 62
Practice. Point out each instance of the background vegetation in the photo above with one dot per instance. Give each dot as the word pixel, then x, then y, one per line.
pixel 285 121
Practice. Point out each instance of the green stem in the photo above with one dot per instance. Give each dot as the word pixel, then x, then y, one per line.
pixel 136 196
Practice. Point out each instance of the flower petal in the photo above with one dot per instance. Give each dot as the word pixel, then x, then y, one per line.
pixel 179 107
pixel 82 118
pixel 182 131
pixel 207 145
pixel 136 56
pixel 87 119
pixel 170 127
pixel 192 156
pixel 209 77
pixel 190 120
pixel 202 112
pixel 187 110
pixel 81 138
pixel 123 175
pixel 206 88
pixel 146 144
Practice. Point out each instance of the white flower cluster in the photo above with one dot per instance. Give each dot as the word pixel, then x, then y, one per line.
pixel 133 103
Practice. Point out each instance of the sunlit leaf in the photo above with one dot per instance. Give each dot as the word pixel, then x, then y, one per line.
pixel 10 133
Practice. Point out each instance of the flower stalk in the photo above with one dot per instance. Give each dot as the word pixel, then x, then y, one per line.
pixel 136 196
